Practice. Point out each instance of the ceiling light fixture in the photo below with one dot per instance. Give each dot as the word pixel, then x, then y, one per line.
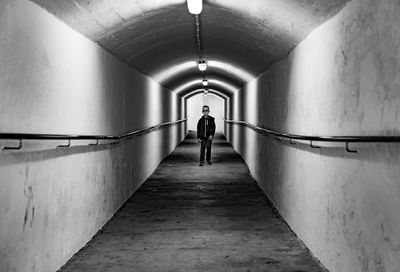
pixel 205 82
pixel 202 65
pixel 195 6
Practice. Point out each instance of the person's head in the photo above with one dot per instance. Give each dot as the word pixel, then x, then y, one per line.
pixel 206 110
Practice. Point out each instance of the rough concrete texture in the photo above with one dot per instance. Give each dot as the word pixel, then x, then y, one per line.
pixel 191 218
pixel 246 36
pixel 343 79
pixel 54 80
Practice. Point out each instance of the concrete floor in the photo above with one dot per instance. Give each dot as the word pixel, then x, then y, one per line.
pixel 191 218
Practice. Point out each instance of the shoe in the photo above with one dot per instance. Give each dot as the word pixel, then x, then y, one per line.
pixel 201 164
pixel 209 163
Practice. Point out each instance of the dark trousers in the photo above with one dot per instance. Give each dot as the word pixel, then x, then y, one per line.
pixel 205 145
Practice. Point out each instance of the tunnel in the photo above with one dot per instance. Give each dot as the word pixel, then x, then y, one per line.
pixel 99 102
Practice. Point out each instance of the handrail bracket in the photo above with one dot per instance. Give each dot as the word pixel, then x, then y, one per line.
pixel 350 150
pixel 14 147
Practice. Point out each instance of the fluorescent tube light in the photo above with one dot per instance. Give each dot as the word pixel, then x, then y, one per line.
pixel 202 65
pixel 195 6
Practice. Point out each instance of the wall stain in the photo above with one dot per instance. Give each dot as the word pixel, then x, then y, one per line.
pixel 28 192
pixel 25 219
pixel 33 216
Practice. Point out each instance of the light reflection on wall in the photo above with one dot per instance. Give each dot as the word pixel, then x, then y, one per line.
pixel 234 129
pixel 154 103
pixel 250 96
pixel 154 111
pixel 236 108
pixel 172 71
pixel 223 84
pixel 213 82
pixel 173 105
pixel 187 85
pixel 174 131
pixel 225 68
pixel 232 70
pixel 251 102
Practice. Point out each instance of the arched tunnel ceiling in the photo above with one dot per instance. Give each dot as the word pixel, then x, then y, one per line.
pixel 215 83
pixel 153 36
pixel 192 93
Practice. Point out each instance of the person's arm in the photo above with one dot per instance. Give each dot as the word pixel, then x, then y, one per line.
pixel 212 129
pixel 198 130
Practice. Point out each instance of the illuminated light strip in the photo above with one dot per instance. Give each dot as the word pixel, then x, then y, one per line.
pixel 210 91
pixel 228 68
pixel 222 84
pixel 173 70
pixel 228 95
pixel 186 86
pixel 178 69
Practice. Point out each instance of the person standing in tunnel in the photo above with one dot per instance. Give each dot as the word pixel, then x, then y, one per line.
pixel 205 134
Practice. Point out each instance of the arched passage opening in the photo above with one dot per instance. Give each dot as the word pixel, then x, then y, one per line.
pixel 194 106
pixel 223 89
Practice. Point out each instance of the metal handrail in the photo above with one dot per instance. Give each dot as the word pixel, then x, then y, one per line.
pixel 69 137
pixel 311 139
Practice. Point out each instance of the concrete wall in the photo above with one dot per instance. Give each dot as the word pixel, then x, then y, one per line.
pixel 343 79
pixel 54 80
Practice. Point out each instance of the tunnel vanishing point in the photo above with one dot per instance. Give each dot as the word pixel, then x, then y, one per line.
pixel 95 94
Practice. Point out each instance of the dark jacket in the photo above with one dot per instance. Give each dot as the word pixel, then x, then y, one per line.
pixel 205 128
